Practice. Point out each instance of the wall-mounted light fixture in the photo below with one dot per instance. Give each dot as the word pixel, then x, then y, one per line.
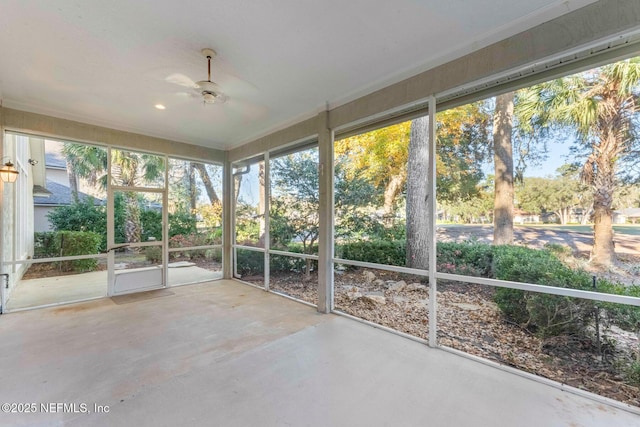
pixel 8 172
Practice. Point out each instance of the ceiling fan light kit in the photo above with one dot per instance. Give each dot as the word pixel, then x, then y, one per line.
pixel 210 91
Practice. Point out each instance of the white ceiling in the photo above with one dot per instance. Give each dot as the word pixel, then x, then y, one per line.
pixel 279 61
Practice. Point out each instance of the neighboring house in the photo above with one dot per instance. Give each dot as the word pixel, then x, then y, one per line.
pixel 56 184
pixel 55 163
pixel 623 216
pixel 60 196
pixel 522 217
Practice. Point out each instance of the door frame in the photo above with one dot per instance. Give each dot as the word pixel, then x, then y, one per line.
pixel 111 245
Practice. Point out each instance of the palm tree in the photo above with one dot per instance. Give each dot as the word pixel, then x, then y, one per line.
pixel 600 105
pixel 129 169
pixel 503 162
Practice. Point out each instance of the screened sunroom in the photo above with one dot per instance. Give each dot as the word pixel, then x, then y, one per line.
pixel 406 213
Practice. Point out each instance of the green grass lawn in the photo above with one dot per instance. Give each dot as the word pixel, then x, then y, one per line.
pixel 630 229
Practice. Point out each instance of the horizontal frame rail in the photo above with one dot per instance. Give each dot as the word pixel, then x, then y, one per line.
pixel 551 290
pixel 293 254
pixel 396 268
pixel 193 248
pixel 138 189
pixel 62 258
pixel 249 248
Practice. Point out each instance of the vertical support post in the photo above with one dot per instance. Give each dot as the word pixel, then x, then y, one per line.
pixel 433 306
pixel 165 225
pixel 3 296
pixel 110 230
pixel 267 187
pixel 325 235
pixel 228 221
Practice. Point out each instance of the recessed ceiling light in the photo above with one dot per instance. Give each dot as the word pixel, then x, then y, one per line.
pixel 160 107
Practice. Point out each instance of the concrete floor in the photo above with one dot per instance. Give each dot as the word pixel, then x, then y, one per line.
pixel 77 287
pixel 227 354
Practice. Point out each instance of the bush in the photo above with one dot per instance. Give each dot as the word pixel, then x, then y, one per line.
pixel 153 253
pixel 377 251
pixel 624 316
pixel 151 223
pixel 548 315
pixel 250 262
pixel 53 244
pixel 185 241
pixel 281 263
pixel 214 254
pixel 44 245
pixel 468 258
pixel 79 243
pixel 632 373
pixel 181 223
pixel 82 215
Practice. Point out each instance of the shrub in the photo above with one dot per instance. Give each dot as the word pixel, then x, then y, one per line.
pixel 69 243
pixel 632 373
pixel 468 258
pixel 79 243
pixel 548 315
pixel 281 263
pixel 82 215
pixel 185 241
pixel 250 262
pixel 153 253
pixel 181 223
pixel 624 316
pixel 214 254
pixel 151 222
pixel 44 245
pixel 52 244
pixel 377 251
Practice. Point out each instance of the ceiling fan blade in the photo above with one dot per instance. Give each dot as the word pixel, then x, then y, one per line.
pixel 185 95
pixel 182 80
pixel 223 72
pixel 235 85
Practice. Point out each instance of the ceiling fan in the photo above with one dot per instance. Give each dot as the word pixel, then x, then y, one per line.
pixel 238 106
pixel 210 91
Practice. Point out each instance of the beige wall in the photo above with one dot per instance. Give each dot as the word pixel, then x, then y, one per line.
pixel 39 124
pixel 17 212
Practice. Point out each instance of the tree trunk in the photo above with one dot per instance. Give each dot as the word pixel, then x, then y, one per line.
pixel 391 191
pixel 418 220
pixel 132 227
pixel 193 189
pixel 563 215
pixel 206 180
pixel 73 181
pixel 503 159
pixel 586 214
pixel 603 186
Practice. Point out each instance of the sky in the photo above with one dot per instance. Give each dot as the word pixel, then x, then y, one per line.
pixel 558 155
